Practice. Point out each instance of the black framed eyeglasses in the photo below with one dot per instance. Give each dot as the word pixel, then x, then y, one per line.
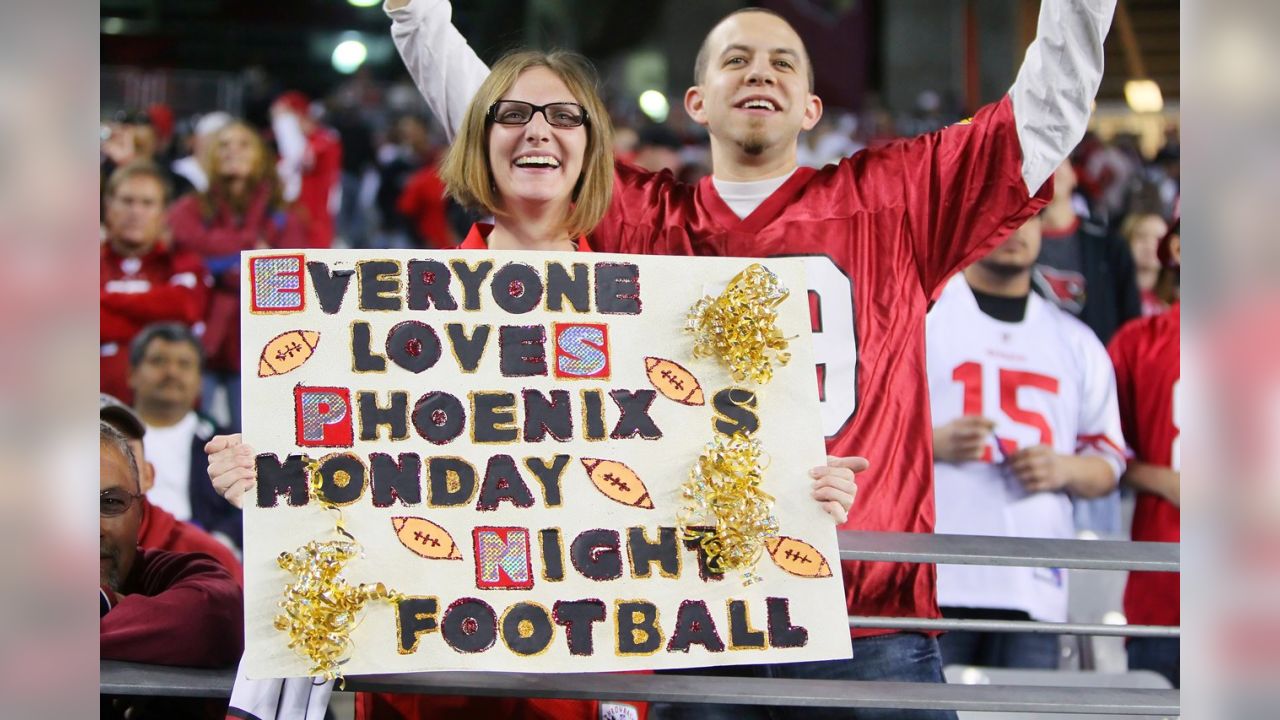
pixel 116 502
pixel 516 112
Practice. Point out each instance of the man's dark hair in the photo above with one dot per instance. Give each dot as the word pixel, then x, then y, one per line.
pixel 169 332
pixel 113 439
pixel 140 168
pixel 704 52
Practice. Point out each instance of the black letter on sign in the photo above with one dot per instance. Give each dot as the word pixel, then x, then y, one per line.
pixel 471 281
pixel 415 616
pixel 595 553
pixel 275 480
pixel 453 481
pixel 517 288
pixel 735 411
pixel 470 626
pixel 331 288
pixel 561 287
pixel 494 417
pixel 395 416
pixel 342 479
pixel 782 634
pixel 741 635
pixel 617 288
pixel 522 350
pixel 467 350
pixel 577 617
pixel 362 358
pixel 703 570
pixel 548 475
pixel 429 285
pixel 439 417
pixel 593 414
pixel 552 554
pixel 694 625
pixel 392 480
pixel 502 481
pixel 378 293
pixel 542 416
pixel 635 418
pixel 413 346
pixel 526 628
pixel 638 632
pixel 665 552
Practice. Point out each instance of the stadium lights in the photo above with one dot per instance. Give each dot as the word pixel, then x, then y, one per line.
pixel 349 55
pixel 654 104
pixel 365 3
pixel 1143 96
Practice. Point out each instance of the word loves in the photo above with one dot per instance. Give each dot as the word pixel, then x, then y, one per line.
pixel 279 284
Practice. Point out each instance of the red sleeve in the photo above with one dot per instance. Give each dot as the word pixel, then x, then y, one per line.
pixel 639 196
pixel 1121 351
pixel 114 326
pixel 191 233
pixel 188 612
pixel 182 299
pixel 961 187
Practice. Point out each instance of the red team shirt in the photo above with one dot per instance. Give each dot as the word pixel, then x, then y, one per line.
pixel 880 233
pixel 1148 367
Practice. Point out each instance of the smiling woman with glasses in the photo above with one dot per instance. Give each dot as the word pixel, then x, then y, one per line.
pixel 536 151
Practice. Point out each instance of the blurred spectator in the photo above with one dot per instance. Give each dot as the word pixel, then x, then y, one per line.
pixel 143 280
pixel 127 138
pixel 157 606
pixel 159 529
pixel 190 169
pixel 831 141
pixel 359 160
pixel 1148 370
pixel 242 210
pixel 1142 231
pixel 424 203
pixel 408 149
pixel 311 161
pixel 1024 406
pixel 165 376
pixel 658 149
pixel 1082 268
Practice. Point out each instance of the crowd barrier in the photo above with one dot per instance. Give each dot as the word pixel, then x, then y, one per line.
pixel 132 679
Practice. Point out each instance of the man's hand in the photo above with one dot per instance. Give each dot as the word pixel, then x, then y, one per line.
pixel 231 467
pixel 834 485
pixel 962 439
pixel 1040 469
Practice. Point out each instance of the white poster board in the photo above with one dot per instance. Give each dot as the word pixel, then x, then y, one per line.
pixel 506 435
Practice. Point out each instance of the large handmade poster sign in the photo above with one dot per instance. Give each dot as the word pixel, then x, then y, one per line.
pixel 515 461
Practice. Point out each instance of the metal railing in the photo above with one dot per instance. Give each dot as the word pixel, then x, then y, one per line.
pixel 133 679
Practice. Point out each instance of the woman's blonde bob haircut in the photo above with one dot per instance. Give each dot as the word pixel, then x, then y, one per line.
pixel 466 172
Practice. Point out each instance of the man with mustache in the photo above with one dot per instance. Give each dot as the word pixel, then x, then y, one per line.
pixel 158 607
pixel 1026 421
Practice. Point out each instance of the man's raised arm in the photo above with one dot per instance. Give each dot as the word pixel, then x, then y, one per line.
pixel 443 66
pixel 1053 93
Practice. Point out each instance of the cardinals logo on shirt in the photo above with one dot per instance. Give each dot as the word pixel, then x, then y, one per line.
pixel 1064 287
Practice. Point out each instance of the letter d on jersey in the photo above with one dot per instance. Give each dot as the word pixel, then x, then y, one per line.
pixel 323 416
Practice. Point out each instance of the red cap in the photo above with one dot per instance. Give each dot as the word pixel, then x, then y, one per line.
pixel 295 101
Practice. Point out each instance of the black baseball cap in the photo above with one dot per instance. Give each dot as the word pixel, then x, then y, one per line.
pixel 121 416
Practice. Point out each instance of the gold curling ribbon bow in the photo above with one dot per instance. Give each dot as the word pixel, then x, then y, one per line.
pixel 740 326
pixel 320 608
pixel 724 508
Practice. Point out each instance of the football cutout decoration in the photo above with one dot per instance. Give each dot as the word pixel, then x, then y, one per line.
pixel 618 482
pixel 287 352
pixel 797 557
pixel 673 381
pixel 425 538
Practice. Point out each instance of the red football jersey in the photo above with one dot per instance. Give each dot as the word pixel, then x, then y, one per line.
pixel 880 232
pixel 1148 367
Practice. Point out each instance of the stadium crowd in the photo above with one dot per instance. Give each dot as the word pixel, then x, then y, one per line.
pixel 1083 296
